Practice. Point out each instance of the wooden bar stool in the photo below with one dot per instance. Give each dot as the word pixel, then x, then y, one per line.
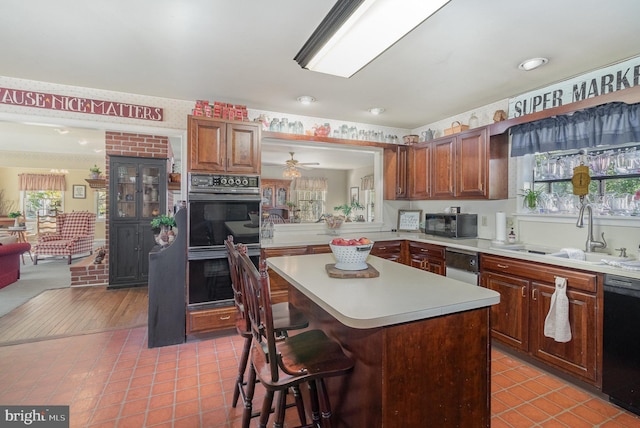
pixel 286 317
pixel 283 363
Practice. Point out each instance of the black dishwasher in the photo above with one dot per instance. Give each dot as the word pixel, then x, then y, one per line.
pixel 621 342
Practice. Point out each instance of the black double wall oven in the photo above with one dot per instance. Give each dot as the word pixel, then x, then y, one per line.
pixel 218 206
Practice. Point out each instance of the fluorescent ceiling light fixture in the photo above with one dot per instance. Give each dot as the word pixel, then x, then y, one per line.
pixel 532 64
pixel 376 110
pixel 355 32
pixel 306 99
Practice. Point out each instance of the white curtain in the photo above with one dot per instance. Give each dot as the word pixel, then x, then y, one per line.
pixel 310 184
pixel 367 182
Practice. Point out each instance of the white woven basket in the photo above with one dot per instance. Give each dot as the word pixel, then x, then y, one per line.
pixel 351 257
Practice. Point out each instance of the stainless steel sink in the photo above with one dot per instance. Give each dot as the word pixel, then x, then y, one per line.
pixel 592 258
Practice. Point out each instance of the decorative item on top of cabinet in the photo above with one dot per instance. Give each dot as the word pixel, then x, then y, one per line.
pixel 216 145
pixel 525 297
pixel 456 127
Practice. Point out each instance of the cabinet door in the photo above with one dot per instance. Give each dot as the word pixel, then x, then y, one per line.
pixel 207 150
pixel 243 148
pixel 395 173
pixel 123 186
pixel 282 195
pixel 427 257
pixel 444 164
pixel 152 187
pixel 578 356
pixel 124 253
pixel 420 156
pixel 267 195
pixel 471 167
pixel 510 317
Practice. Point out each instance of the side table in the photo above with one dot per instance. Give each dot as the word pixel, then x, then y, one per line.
pixel 21 234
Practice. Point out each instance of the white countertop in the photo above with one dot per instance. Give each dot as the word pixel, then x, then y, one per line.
pixel 479 245
pixel 400 294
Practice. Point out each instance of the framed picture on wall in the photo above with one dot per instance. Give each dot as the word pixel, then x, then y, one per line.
pixel 79 191
pixel 409 220
pixel 355 194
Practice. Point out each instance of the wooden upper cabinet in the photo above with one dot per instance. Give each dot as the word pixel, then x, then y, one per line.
pixel 243 148
pixel 444 167
pixel 207 149
pixel 420 166
pixel 223 146
pixel 472 160
pixel 467 165
pixel 396 173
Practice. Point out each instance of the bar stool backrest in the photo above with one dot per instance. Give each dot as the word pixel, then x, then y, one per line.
pixel 233 256
pixel 256 286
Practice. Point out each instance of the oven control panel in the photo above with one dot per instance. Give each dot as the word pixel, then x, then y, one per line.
pixel 222 183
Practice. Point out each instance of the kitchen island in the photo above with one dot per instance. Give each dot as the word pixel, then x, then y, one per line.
pixel 420 342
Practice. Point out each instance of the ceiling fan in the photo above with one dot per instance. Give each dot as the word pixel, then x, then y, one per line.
pixel 294 163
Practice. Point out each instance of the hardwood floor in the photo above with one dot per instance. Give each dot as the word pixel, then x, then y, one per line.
pixel 73 311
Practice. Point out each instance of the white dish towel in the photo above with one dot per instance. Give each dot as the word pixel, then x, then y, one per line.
pixel 556 325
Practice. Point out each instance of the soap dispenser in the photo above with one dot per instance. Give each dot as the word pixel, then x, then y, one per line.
pixel 511 237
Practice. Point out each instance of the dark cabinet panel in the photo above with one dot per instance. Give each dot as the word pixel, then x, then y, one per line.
pixel 137 193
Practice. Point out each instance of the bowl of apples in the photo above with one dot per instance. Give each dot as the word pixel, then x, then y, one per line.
pixel 351 254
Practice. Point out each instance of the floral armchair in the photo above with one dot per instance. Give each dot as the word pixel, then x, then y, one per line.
pixel 74 235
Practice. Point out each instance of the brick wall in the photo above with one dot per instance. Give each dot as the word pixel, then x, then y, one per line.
pixel 120 144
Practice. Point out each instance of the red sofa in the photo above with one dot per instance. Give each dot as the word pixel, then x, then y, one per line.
pixel 10 262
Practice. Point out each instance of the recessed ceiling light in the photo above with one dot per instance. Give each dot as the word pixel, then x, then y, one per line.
pixel 376 110
pixel 83 142
pixel 306 99
pixel 61 131
pixel 532 63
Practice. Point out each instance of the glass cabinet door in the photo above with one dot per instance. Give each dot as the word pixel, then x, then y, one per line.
pixel 126 188
pixel 150 189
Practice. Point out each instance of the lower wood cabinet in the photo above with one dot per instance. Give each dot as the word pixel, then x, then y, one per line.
pixel 279 285
pixel 211 319
pixel 427 257
pixel 390 250
pixel 525 297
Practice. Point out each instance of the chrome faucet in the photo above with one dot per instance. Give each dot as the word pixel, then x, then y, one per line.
pixel 591 244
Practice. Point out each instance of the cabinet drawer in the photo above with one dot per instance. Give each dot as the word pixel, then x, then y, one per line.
pixel 391 250
pixel 579 280
pixel 211 319
pixel 430 250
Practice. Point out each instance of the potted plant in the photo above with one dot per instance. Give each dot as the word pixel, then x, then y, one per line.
pixel 95 172
pixel 530 200
pixel 15 215
pixel 161 227
pixel 347 209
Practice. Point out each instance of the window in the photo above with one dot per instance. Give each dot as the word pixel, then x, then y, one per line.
pixel 100 204
pixel 42 202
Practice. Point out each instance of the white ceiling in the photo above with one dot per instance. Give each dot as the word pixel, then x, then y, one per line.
pixel 463 57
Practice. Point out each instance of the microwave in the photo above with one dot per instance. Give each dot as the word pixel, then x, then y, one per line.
pixel 452 225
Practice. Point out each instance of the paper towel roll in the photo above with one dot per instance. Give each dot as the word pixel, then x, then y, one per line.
pixel 501 226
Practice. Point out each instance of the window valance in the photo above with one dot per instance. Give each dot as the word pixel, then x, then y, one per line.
pixel 605 125
pixel 35 182
pixel 310 184
pixel 367 182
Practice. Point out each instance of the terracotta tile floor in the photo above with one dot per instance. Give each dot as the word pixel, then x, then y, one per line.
pixel 111 379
